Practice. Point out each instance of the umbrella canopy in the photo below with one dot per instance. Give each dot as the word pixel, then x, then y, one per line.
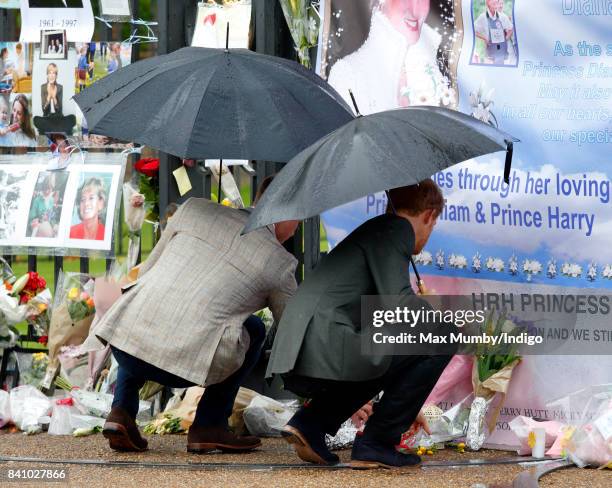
pixel 201 103
pixel 374 153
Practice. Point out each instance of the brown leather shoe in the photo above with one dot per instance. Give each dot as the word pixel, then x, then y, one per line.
pixel 122 432
pixel 206 439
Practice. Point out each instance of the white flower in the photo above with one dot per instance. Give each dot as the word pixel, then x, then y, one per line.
pixel 572 270
pixel 607 272
pixel 532 266
pixel 495 264
pixel 482 113
pixel 448 96
pixel 424 257
pixel 423 98
pixel 457 261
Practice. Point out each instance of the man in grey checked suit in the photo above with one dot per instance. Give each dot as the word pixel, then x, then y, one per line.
pixel 188 320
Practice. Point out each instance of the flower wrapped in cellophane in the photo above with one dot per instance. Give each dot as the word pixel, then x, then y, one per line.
pixel 22 299
pixel 491 375
pixel 73 312
pixel 135 212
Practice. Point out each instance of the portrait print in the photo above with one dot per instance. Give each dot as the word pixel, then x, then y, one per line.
pixel 53 109
pixel 11 192
pixel 89 217
pixel 495 37
pixel 47 203
pixel 16 127
pixel 391 53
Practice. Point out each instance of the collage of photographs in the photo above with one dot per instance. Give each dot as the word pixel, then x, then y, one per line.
pixel 38 81
pixel 72 208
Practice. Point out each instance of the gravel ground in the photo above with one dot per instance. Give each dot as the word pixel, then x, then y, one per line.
pixel 171 449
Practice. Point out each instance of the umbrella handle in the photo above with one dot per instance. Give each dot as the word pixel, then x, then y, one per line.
pixel 420 282
pixel 508 162
pixel 220 176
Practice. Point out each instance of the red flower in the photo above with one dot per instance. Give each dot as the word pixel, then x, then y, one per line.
pixel 147 166
pixel 43 340
pixel 35 282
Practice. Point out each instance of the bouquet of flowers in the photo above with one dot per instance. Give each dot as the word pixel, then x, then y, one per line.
pixel 134 205
pixel 23 298
pixel 79 299
pixel 491 374
pixel 32 367
pixel 73 312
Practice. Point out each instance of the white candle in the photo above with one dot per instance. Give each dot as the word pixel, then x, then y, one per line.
pixel 540 443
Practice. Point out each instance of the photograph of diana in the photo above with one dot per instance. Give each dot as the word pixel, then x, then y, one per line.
pixel 53 44
pixel 392 53
pixel 47 202
pixel 90 207
pixel 494 33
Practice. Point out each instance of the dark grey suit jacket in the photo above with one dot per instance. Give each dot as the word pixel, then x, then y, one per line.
pixel 319 334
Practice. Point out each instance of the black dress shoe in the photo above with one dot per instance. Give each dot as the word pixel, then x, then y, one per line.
pixel 122 432
pixel 371 454
pixel 308 439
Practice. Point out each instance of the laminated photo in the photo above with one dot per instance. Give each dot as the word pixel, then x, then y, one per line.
pixel 12 182
pixel 53 44
pixel 53 89
pixel 95 191
pixel 94 61
pixel 115 10
pixel 15 68
pixel 17 130
pixel 46 205
pixel 73 16
pixel 494 33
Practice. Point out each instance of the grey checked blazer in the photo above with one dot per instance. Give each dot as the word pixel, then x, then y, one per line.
pixel 200 283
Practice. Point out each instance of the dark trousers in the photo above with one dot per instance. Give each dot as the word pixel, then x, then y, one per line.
pixel 216 403
pixel 406 385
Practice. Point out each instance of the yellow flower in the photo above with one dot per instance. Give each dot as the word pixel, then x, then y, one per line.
pixel 73 293
pixel 430 452
pixel 42 307
pixel 531 440
pixel 226 202
pixel 461 445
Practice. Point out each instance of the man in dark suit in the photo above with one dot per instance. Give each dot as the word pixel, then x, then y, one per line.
pixel 56 3
pixel 317 349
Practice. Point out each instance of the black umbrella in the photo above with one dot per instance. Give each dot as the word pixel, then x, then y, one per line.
pixel 201 103
pixel 375 153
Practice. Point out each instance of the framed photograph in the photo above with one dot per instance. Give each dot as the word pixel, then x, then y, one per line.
pixel 115 10
pixel 53 44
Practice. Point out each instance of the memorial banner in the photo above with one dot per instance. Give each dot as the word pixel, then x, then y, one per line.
pixel 541 71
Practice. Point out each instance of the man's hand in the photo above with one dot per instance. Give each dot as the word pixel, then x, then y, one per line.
pixel 421 421
pixel 360 417
pixel 423 290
